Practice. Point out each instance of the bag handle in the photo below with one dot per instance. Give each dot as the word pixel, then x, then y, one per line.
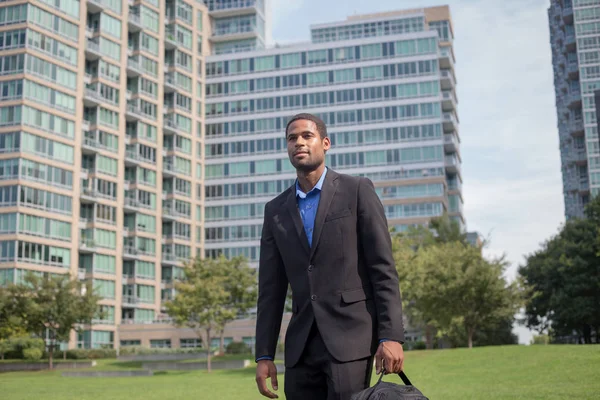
pixel 402 376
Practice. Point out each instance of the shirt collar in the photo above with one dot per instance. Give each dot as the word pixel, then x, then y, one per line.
pixel 318 186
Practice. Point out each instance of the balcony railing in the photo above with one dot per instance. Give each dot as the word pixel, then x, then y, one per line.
pixel 93 46
pixel 87 242
pixel 234 31
pixel 135 18
pixel 231 5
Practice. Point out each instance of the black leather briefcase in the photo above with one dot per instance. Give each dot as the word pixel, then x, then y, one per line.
pixel 390 391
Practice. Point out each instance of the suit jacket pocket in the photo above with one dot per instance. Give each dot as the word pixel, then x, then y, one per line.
pixel 355 295
pixel 338 214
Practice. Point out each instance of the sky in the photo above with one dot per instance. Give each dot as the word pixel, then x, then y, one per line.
pixel 512 185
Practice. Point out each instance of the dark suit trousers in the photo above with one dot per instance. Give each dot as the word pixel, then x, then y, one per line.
pixel 317 376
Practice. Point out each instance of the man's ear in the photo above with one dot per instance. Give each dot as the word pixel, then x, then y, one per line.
pixel 326 143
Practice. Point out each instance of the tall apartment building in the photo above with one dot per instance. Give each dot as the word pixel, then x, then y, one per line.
pixel 385 86
pixel 100 148
pixel 126 148
pixel 575 42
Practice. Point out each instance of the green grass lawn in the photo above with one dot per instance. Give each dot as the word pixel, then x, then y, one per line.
pixel 510 372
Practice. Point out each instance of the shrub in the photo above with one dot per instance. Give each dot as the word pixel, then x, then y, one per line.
pixel 238 348
pixel 420 345
pixel 138 350
pixel 540 339
pixel 91 354
pixel 32 354
pixel 18 345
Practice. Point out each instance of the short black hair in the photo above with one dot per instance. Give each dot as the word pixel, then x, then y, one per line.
pixel 321 128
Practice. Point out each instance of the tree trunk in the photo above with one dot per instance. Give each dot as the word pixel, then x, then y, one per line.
pixel 470 332
pixel 587 334
pixel 222 342
pixel 208 369
pixel 428 337
pixel 50 356
pixel 64 354
pixel 2 356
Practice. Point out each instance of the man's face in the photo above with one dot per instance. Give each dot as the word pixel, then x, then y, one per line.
pixel 305 147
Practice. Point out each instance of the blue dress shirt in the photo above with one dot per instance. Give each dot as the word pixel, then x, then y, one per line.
pixel 308 203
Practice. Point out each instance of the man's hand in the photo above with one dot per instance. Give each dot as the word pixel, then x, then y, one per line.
pixel 264 370
pixel 391 356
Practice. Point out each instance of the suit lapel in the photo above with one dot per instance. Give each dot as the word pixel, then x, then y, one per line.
pixel 327 194
pixel 292 206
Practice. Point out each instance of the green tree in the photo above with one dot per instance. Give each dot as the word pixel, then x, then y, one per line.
pixel 212 293
pixel 53 305
pixel 562 280
pixel 451 285
pixel 447 231
pixel 11 323
pixel 242 286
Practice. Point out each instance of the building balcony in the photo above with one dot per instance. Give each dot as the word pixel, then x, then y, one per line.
pixel 455 185
pixel 134 205
pixel 171 126
pixel 87 245
pixel 237 33
pixel 170 259
pixel 574 99
pixel 447 59
pixel 130 300
pixel 92 98
pixel 451 143
pixel 450 122
pixel 95 6
pixel 577 156
pixel 452 164
pixel 170 39
pixel 91 145
pixel 91 32
pixel 576 128
pixel 133 252
pixel 92 50
pixel 88 195
pixel 448 80
pixel 170 84
pixel 570 41
pixel 133 158
pixel 233 8
pixel 133 113
pixel 567 13
pixel 573 70
pixel 134 68
pixel 170 213
pixel 449 100
pixel 134 22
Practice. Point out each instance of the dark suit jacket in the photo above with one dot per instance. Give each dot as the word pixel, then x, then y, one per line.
pixel 347 281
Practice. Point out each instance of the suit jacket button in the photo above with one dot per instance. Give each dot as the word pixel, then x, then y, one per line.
pixel 313 297
pixel 310 268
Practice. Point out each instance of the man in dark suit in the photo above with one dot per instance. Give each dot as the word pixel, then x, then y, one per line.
pixel 328 238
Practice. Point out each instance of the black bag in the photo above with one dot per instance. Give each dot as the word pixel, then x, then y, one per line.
pixel 390 391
